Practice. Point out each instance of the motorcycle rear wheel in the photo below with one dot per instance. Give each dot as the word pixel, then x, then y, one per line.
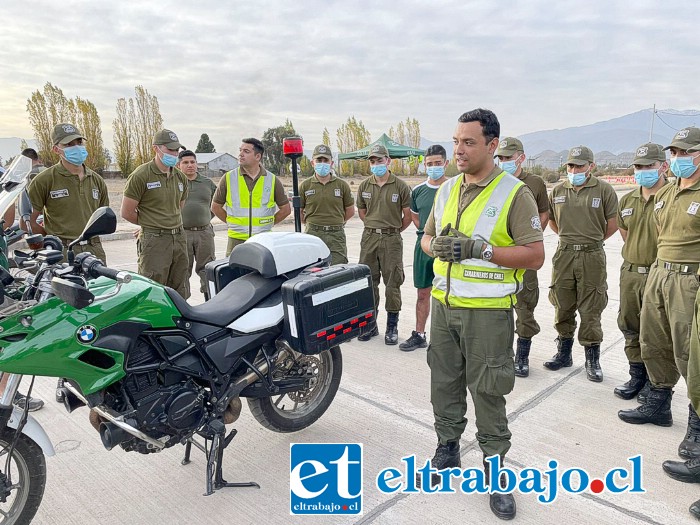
pixel 28 474
pixel 295 411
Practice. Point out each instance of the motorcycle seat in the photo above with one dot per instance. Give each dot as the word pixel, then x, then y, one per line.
pixel 234 300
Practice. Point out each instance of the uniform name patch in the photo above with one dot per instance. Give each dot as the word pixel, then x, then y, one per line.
pixel 490 276
pixel 152 185
pixel 693 208
pixel 394 197
pixel 57 194
pixel 336 192
pixel 559 200
pixel 310 192
pixel 658 205
pixel 595 203
pixel 366 195
pixel 626 212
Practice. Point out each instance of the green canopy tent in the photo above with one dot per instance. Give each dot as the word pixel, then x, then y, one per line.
pixel 396 150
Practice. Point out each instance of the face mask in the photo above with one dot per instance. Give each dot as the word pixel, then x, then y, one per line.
pixel 683 167
pixel 169 160
pixel 379 170
pixel 577 179
pixel 322 169
pixel 509 166
pixel 435 172
pixel 646 178
pixel 76 155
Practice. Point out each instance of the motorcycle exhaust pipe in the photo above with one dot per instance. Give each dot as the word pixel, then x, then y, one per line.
pixel 70 400
pixel 112 435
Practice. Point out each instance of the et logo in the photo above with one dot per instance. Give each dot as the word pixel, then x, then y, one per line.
pixel 325 478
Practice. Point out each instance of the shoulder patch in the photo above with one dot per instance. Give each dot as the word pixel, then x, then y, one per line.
pixel 535 223
pixel 693 208
pixel 394 197
pixel 595 203
pixel 336 192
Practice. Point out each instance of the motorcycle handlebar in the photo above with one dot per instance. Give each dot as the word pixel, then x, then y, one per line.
pixel 91 266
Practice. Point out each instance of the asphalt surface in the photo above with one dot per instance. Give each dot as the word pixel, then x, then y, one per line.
pixel 384 403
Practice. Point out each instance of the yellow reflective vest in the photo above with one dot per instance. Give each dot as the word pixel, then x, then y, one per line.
pixel 249 212
pixel 475 283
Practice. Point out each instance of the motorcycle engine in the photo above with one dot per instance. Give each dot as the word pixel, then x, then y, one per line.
pixel 163 403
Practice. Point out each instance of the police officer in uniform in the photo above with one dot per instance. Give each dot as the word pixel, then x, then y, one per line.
pixel 669 296
pixel 511 156
pixel 422 198
pixel 484 224
pixel 327 204
pixel 247 197
pixel 154 195
pixel 635 220
pixel 383 203
pixel 68 192
pixel 583 211
pixel 196 217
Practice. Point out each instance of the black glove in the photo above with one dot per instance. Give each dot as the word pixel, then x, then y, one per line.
pixel 453 246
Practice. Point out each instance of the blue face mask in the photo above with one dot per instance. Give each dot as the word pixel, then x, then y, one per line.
pixel 169 160
pixel 577 179
pixel 646 178
pixel 509 166
pixel 76 155
pixel 435 172
pixel 683 167
pixel 379 170
pixel 322 169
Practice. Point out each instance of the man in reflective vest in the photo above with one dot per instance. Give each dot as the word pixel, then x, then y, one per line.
pixel 484 230
pixel 247 197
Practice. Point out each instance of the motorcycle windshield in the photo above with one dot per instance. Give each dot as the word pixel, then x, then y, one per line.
pixel 13 181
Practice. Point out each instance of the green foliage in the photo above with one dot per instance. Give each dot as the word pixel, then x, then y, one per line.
pixel 306 169
pixel 352 136
pixel 205 145
pixel 326 138
pixel 273 158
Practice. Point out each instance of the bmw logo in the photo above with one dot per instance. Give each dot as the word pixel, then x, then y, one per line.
pixel 86 334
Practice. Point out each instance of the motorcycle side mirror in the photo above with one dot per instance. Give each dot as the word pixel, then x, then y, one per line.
pixel 25 206
pixel 72 293
pixel 101 222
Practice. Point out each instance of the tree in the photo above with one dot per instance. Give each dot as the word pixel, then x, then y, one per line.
pixel 124 137
pixel 23 145
pixel 273 158
pixel 88 122
pixel 306 169
pixel 326 138
pixel 205 145
pixel 352 136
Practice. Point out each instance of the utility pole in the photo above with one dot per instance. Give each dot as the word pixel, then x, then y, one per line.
pixel 651 131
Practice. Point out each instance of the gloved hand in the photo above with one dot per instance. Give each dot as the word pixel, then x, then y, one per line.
pixel 453 246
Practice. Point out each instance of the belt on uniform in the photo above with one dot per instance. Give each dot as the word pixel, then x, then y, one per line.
pixel 638 268
pixel 163 232
pixel 94 241
pixel 679 267
pixel 318 227
pixel 383 231
pixel 581 247
pixel 197 228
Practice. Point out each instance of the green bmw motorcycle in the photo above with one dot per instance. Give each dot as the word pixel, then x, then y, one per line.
pixel 155 371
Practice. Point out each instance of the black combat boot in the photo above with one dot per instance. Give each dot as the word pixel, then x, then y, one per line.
pixel 391 337
pixel 638 377
pixel 695 509
pixel 522 354
pixel 685 471
pixel 563 356
pixel 656 410
pixel 593 370
pixel 373 333
pixel 690 446
pixel 446 456
pixel 644 392
pixel 502 505
pixel 417 340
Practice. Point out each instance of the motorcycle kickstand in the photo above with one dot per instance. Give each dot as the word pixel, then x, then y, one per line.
pixel 215 480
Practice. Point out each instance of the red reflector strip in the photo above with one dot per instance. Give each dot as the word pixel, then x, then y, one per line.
pixel 314 270
pixel 347 330
pixel 321 334
pixel 369 315
pixel 354 321
pixel 363 323
pixel 332 336
pixel 339 327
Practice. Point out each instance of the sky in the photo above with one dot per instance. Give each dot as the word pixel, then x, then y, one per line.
pixel 233 69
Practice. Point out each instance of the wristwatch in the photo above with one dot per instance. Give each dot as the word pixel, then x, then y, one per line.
pixel 487 254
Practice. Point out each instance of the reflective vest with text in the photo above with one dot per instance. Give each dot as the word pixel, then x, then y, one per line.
pixel 249 212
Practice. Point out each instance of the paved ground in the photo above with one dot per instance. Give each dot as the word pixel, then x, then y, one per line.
pixel 384 403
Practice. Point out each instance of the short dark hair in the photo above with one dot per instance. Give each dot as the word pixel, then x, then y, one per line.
pixel 257 145
pixel 186 153
pixel 30 153
pixel 490 126
pixel 436 149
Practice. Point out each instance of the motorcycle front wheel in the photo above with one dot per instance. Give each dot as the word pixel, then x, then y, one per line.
pixel 28 476
pixel 297 410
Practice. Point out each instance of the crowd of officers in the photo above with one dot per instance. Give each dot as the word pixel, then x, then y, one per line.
pixel 478 248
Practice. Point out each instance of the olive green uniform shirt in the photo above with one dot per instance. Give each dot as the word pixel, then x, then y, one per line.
pixel 197 209
pixel 637 217
pixel 582 215
pixel 523 218
pixel 67 202
pixel 677 215
pixel 159 195
pixel 324 204
pixel 221 190
pixel 384 204
pixel 538 189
